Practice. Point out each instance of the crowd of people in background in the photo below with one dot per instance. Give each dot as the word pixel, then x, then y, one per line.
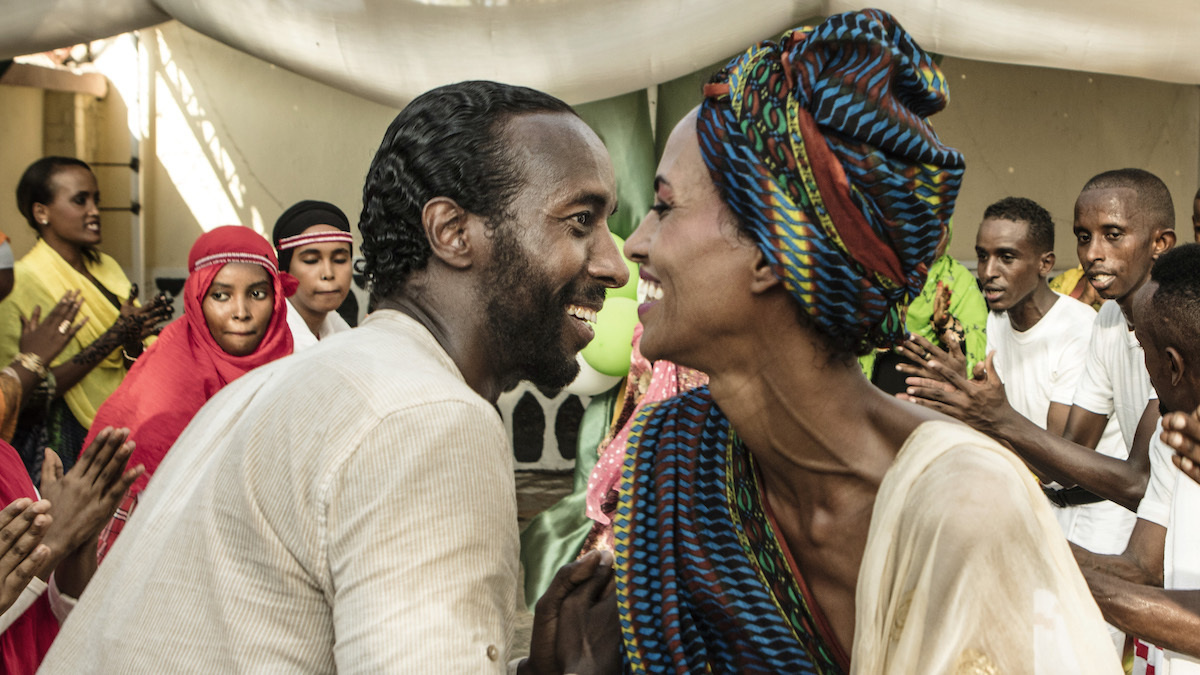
pixel 838 449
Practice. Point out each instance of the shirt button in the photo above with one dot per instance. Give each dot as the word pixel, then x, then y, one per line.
pixel 493 653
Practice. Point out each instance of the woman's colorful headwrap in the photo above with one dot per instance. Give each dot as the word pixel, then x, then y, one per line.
pixel 820 144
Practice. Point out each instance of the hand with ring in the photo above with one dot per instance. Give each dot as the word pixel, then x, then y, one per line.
pixel 45 337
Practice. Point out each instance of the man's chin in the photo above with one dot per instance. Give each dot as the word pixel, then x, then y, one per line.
pixel 547 376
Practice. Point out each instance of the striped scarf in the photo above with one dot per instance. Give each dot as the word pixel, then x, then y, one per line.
pixel 820 144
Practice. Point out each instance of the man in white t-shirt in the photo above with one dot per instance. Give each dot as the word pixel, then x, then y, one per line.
pixel 1123 220
pixel 1040 339
pixel 1153 589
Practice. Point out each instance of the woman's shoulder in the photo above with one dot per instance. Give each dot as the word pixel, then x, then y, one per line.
pixel 948 463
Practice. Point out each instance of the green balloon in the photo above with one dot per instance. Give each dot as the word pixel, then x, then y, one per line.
pixel 609 351
pixel 629 290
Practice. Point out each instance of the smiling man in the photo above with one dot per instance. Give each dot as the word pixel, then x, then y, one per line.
pixel 352 509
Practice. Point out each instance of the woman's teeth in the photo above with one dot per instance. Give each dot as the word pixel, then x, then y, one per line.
pixel 648 291
pixel 582 313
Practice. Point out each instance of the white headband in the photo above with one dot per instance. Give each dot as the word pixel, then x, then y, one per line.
pixel 232 256
pixel 314 238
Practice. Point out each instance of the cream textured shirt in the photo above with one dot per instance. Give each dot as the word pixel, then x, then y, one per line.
pixel 350 508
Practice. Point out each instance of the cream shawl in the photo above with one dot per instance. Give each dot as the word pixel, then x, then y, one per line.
pixel 966 570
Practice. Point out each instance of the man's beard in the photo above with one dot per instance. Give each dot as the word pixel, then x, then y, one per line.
pixel 526 318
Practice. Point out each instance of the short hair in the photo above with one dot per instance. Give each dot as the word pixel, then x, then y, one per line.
pixel 34 185
pixel 1153 197
pixel 1022 210
pixel 1197 197
pixel 1176 301
pixel 448 142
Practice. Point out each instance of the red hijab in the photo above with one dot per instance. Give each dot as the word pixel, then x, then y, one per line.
pixel 186 367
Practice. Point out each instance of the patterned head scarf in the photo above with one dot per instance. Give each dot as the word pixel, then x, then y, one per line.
pixel 821 146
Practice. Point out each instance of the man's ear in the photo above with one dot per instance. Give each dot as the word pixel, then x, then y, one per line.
pixel 1046 264
pixel 763 277
pixel 1176 363
pixel 447 227
pixel 1163 241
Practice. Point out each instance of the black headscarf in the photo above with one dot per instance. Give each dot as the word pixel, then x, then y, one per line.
pixel 299 218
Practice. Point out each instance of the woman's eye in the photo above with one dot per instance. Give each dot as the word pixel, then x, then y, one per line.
pixel 258 294
pixel 219 296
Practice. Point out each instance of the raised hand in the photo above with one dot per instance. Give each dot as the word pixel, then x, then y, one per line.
pixel 138 323
pixel 85 498
pixel 981 402
pixel 46 337
pixel 23 523
pixel 1181 431
pixel 918 350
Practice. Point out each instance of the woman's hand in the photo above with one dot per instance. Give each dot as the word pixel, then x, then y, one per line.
pixel 23 523
pixel 138 323
pixel 46 337
pixel 85 498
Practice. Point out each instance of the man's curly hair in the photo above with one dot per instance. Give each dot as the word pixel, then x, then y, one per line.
pixel 448 142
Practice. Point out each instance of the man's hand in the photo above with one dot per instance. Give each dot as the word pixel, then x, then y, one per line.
pixel 86 497
pixel 980 402
pixel 575 625
pixel 1181 431
pixel 918 350
pixel 23 523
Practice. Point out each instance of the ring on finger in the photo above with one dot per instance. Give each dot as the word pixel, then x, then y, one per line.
pixel 64 326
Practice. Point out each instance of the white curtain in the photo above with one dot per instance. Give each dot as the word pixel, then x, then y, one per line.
pixel 583 50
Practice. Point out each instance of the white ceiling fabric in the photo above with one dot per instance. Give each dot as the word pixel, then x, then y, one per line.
pixel 581 50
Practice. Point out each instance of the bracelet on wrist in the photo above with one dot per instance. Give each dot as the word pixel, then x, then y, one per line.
pixel 33 363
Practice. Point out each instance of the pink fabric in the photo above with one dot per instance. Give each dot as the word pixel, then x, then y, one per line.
pixel 186 367
pixel 648 383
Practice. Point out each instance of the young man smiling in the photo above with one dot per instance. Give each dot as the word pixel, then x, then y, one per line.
pixel 353 509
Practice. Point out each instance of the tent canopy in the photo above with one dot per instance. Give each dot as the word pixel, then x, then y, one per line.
pixel 390 51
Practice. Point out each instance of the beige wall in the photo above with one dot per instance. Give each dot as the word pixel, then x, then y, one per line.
pixel 21 140
pixel 232 139
pixel 1042 133
pixel 237 140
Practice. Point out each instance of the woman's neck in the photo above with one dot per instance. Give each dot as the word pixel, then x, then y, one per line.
pixel 813 422
pixel 72 254
pixel 311 319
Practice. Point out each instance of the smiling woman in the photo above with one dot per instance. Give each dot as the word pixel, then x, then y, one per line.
pixel 234 321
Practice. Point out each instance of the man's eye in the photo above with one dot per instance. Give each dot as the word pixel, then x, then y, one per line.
pixel 584 218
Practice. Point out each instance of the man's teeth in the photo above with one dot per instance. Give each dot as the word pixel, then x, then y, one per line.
pixel 648 290
pixel 582 313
